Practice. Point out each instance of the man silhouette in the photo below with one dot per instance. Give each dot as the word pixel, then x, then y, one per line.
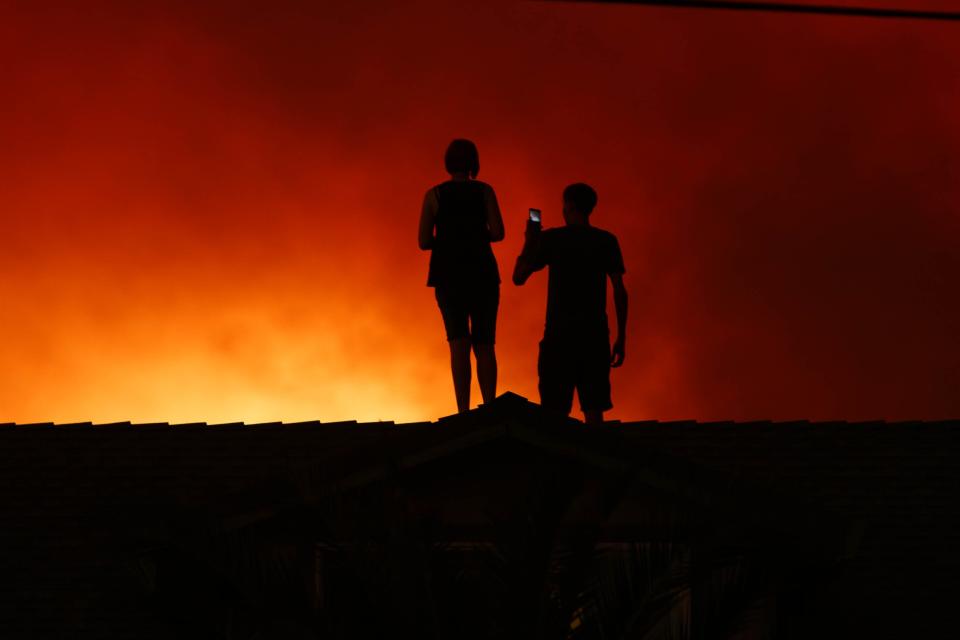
pixel 575 351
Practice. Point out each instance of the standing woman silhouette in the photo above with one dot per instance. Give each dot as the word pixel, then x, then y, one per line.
pixel 459 220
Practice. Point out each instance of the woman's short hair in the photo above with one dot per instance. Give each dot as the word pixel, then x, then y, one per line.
pixel 581 196
pixel 462 157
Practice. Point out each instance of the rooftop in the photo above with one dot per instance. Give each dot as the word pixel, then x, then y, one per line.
pixel 79 502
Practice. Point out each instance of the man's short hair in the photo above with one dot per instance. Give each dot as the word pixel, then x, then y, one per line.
pixel 581 196
pixel 462 157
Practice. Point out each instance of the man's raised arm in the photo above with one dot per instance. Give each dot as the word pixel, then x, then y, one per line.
pixel 530 258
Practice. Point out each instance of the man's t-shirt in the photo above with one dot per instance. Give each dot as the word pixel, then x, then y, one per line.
pixel 580 259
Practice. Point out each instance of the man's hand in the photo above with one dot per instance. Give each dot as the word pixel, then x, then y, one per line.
pixel 620 302
pixel 618 353
pixel 531 233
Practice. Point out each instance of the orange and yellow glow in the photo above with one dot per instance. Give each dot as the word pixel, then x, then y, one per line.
pixel 209 213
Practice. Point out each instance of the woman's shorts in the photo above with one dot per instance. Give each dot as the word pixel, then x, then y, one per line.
pixel 470 312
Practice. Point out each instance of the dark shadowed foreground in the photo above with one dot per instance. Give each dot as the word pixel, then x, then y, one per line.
pixel 498 523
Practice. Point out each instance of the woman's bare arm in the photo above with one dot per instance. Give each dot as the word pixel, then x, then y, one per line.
pixel 428 219
pixel 494 219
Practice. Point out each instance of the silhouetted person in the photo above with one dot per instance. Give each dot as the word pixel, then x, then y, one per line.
pixel 460 219
pixel 575 351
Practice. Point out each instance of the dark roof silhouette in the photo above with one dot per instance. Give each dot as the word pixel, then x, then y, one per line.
pixel 86 508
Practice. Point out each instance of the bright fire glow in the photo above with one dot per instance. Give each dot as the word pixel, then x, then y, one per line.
pixel 208 213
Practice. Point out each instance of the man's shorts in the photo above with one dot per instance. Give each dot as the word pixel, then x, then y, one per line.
pixel 470 312
pixel 583 365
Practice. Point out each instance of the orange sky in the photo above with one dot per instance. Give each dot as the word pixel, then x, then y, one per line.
pixel 209 213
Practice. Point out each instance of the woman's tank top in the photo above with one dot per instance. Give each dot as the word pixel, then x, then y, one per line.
pixel 461 254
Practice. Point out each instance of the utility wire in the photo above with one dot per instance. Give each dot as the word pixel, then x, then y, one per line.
pixel 782 7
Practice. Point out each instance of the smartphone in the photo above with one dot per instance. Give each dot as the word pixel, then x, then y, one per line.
pixel 535 215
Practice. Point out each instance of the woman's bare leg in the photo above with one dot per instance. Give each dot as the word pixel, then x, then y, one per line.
pixel 460 366
pixel 486 370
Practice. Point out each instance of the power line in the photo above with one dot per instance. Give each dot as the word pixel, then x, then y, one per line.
pixel 780 7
